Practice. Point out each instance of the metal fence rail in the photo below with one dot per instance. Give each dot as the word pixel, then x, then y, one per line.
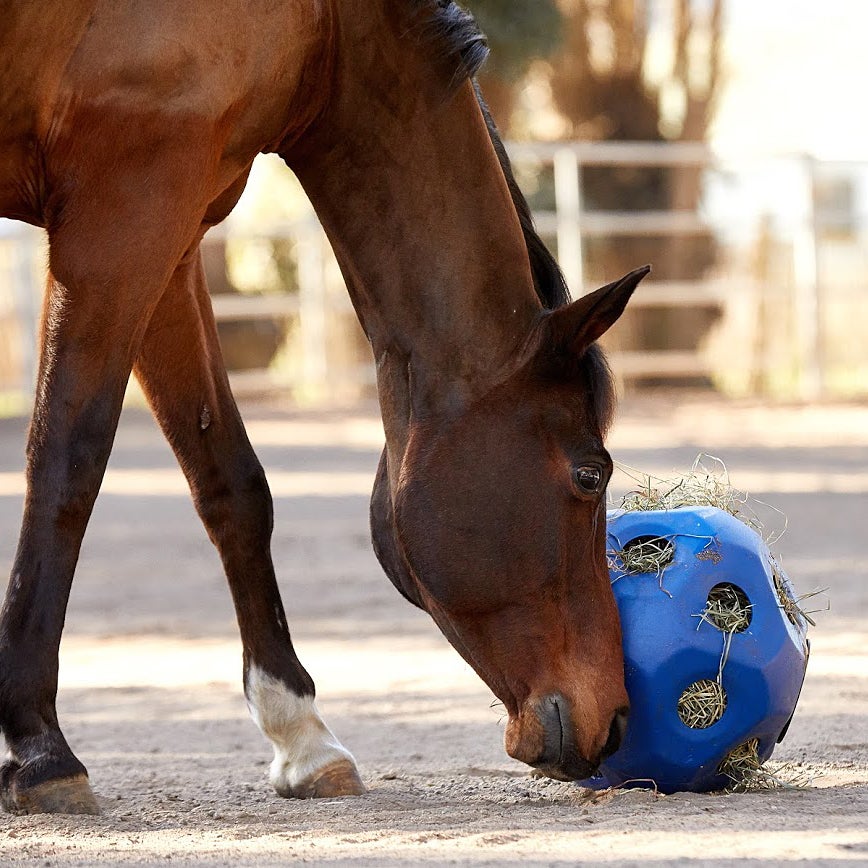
pixel 572 223
pixel 320 298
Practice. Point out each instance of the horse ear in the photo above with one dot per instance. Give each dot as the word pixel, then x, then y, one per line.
pixel 575 327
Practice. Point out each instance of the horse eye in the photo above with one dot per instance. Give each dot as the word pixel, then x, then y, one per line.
pixel 588 479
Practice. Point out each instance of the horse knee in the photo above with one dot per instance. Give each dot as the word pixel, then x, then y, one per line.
pixel 239 505
pixel 255 508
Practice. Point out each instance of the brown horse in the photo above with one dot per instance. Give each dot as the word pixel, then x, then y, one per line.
pixel 128 129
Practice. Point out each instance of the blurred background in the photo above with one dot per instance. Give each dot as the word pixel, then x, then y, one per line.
pixel 712 138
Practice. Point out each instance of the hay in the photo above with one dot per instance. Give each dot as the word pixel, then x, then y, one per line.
pixel 741 764
pixel 790 604
pixel 647 554
pixel 747 773
pixel 727 608
pixel 705 484
pixel 644 554
pixel 701 486
pixel 702 704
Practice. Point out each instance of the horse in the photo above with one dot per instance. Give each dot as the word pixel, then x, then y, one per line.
pixel 128 130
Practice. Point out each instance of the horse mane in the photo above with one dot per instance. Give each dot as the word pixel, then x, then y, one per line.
pixel 455 36
pixel 548 279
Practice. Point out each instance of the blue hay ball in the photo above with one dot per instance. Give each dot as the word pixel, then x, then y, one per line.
pixel 670 650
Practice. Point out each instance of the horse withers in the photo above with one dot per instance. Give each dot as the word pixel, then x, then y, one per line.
pixel 128 130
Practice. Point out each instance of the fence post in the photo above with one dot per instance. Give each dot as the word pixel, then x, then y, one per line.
pixel 806 279
pixel 568 200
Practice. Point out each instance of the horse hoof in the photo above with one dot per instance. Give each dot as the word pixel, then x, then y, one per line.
pixel 71 795
pixel 337 779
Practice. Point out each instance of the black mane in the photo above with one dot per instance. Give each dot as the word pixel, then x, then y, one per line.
pixel 455 35
pixel 548 279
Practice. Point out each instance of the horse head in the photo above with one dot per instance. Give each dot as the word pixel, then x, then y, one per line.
pixel 499 531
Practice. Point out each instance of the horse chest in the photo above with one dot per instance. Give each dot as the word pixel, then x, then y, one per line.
pixel 37 41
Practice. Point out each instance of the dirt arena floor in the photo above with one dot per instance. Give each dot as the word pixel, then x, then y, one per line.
pixel 151 698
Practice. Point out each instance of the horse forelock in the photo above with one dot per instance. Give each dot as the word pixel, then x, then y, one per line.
pixel 454 34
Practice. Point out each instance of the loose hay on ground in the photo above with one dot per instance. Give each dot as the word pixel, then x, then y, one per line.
pixel 743 767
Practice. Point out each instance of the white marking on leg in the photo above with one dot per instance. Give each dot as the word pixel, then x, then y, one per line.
pixel 303 744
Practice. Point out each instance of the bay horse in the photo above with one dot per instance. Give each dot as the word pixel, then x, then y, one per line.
pixel 128 129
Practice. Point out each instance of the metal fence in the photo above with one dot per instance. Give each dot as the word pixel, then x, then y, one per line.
pixel 571 224
pixel 791 232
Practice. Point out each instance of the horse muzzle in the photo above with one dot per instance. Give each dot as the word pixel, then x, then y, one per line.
pixel 544 736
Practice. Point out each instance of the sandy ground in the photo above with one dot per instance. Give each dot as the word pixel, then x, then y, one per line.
pixel 151 700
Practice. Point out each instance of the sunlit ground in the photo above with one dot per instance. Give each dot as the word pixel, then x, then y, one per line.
pixel 150 693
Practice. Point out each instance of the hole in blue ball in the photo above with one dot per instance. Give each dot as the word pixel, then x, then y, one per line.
pixel 702 703
pixel 646 554
pixel 728 608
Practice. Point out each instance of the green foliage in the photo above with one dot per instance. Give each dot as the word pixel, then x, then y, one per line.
pixel 518 31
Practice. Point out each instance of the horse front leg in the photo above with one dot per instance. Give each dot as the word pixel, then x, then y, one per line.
pixel 92 326
pixel 182 373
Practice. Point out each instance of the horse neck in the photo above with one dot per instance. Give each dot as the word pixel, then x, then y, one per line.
pixel 409 188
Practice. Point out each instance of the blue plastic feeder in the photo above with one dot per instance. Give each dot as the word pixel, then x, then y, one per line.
pixel 671 650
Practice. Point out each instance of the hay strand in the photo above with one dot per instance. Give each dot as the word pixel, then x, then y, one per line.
pixel 747 773
pixel 644 554
pixel 790 604
pixel 647 555
pixel 707 483
pixel 702 703
pixel 727 608
pixel 741 764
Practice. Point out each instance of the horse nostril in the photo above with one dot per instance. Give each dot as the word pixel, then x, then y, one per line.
pixel 551 713
pixel 616 734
